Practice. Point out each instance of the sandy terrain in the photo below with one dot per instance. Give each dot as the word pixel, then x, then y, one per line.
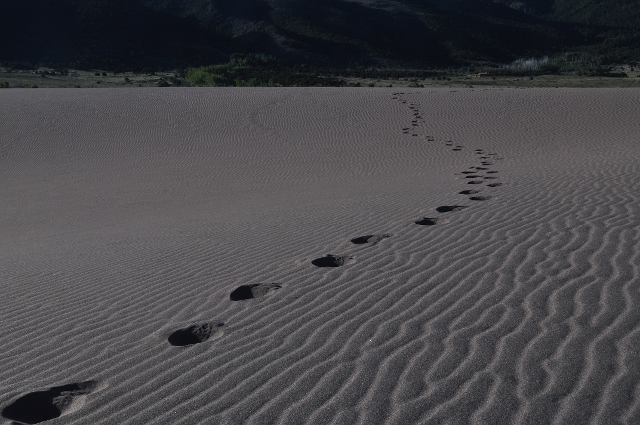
pixel 320 256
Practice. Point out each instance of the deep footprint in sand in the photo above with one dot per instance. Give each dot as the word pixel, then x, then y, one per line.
pixel 195 334
pixel 427 221
pixel 450 208
pixel 494 184
pixel 469 192
pixel 370 239
pixel 476 182
pixel 41 406
pixel 256 290
pixel 333 260
pixel 480 198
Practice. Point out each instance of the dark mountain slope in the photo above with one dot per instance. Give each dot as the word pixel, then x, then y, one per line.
pixel 611 13
pixel 617 13
pixel 137 34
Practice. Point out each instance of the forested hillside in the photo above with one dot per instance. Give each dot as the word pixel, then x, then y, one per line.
pixel 155 34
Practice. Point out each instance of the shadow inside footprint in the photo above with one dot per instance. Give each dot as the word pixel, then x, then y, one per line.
pixel 370 239
pixel 256 290
pixel 450 208
pixel 196 334
pixel 427 221
pixel 480 198
pixel 469 192
pixel 494 184
pixel 40 406
pixel 475 182
pixel 332 261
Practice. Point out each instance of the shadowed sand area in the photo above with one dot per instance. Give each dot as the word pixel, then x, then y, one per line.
pixel 128 215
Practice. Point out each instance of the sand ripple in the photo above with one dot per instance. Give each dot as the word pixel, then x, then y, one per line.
pixel 130 215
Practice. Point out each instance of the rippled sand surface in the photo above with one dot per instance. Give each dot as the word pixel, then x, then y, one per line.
pixel 320 256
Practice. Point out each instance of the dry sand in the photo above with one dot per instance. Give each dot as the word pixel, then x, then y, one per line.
pixel 160 256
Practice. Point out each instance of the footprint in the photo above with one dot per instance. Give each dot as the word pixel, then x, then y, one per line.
pixel 490 177
pixel 256 290
pixel 40 406
pixel 450 208
pixel 480 198
pixel 195 334
pixel 486 163
pixel 495 184
pixel 472 176
pixel 476 182
pixel 370 239
pixel 332 260
pixel 456 149
pixel 468 172
pixel 427 221
pixel 469 192
pixel 481 168
pixel 492 172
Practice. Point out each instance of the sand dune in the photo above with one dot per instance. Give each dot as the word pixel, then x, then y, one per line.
pixel 320 256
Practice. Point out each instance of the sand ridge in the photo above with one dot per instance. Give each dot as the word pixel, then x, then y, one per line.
pixel 509 301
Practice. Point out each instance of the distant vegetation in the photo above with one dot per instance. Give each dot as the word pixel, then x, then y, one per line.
pixel 254 70
pixel 266 71
pixel 148 35
pixel 568 63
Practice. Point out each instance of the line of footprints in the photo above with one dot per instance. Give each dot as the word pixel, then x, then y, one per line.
pixel 40 406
